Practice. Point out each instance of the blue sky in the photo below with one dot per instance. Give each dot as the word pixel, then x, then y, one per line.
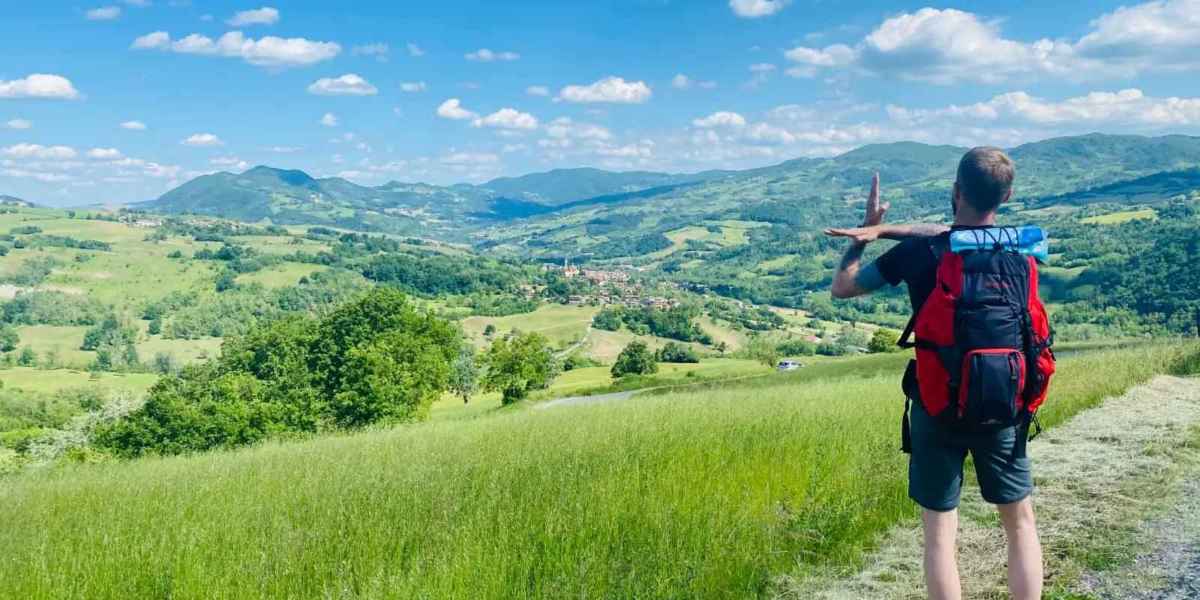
pixel 119 100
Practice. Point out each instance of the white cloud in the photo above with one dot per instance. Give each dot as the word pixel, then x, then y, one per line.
pixel 469 158
pixel 681 82
pixel 563 128
pixel 379 51
pixel 104 13
pixel 19 124
pixel 229 162
pixel 452 109
pixel 720 119
pixel 486 55
pixel 268 51
pixel 537 90
pixel 284 149
pixel 203 139
pixel 753 9
pixel 349 84
pixel 951 46
pixel 259 16
pixel 1128 108
pixel 39 85
pixel 329 120
pixel 507 118
pixel 412 86
pixel 610 89
pixel 28 151
pixel 414 50
pixel 133 125
pixel 104 154
pixel 138 3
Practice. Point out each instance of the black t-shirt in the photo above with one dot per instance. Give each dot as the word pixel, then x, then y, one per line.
pixel 914 262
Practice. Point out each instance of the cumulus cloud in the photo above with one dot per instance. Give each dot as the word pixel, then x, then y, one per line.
pixel 259 16
pixel 753 9
pixel 950 46
pixel 268 51
pixel 486 55
pixel 329 120
pixel 133 125
pixel 104 13
pixel 202 139
pixel 537 90
pixel 349 84
pixel 379 51
pixel 507 118
pixel 452 109
pixel 1129 107
pixel 469 158
pixel 564 128
pixel 610 89
pixel 720 119
pixel 104 154
pixel 412 86
pixel 229 162
pixel 38 151
pixel 39 85
pixel 18 124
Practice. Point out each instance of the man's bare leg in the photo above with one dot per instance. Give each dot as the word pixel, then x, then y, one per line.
pixel 941 560
pixel 1024 550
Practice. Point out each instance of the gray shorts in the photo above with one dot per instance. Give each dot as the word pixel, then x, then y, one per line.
pixel 935 468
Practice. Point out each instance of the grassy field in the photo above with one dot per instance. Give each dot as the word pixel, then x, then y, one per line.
pixel 561 324
pixel 700 493
pixel 1116 218
pixel 53 380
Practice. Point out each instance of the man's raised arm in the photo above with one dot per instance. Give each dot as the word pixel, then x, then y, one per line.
pixel 851 278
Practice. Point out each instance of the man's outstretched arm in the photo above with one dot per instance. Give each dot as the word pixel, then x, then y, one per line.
pixel 851 279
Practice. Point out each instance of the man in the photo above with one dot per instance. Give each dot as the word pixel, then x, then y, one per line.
pixel 984 182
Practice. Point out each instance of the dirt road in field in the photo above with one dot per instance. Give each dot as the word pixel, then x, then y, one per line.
pixel 1118 502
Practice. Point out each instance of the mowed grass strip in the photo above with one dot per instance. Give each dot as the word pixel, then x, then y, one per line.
pixel 707 493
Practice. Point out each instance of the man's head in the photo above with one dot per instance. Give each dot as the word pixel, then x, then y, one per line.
pixel 985 178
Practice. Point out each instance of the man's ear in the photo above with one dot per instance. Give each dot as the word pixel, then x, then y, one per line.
pixel 1007 196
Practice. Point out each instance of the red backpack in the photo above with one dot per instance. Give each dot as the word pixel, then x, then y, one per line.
pixel 982 343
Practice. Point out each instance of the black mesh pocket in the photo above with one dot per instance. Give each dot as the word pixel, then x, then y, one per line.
pixel 990 392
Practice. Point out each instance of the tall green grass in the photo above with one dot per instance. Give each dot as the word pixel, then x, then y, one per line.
pixel 704 493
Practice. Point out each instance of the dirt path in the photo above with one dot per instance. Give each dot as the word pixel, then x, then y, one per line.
pixel 1116 482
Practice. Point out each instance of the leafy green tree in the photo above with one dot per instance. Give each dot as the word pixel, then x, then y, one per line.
pixel 635 359
pixel 9 338
pixel 464 374
pixel 797 348
pixel 27 357
pixel 608 319
pixel 763 350
pixel 165 363
pixel 517 365
pixel 883 340
pixel 489 330
pixel 110 332
pixel 155 326
pixel 672 352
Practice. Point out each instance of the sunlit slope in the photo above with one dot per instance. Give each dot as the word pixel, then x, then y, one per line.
pixel 708 493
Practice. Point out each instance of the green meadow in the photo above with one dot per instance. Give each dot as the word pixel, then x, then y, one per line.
pixel 711 491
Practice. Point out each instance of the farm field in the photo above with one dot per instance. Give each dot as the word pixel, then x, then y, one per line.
pixel 712 492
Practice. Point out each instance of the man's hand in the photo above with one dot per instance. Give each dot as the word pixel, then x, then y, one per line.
pixel 875 211
pixel 859 235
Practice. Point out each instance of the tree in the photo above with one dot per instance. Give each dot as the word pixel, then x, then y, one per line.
pixel 489 331
pixel 8 338
pixel 464 374
pixel 677 353
pixel 27 358
pixel 155 326
pixel 635 359
pixel 763 350
pixel 518 364
pixel 883 340
pixel 165 363
pixel 608 319
pixel 722 347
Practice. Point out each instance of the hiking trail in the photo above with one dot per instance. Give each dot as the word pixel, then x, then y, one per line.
pixel 1118 480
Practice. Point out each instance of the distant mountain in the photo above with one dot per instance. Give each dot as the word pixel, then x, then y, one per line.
pixel 6 200
pixel 562 186
pixel 294 197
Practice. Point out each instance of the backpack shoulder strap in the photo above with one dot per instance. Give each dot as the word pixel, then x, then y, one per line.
pixel 938 245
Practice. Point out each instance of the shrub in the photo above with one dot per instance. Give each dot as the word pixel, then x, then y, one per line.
pixel 517 365
pixel 797 348
pixel 677 353
pixel 635 359
pixel 883 340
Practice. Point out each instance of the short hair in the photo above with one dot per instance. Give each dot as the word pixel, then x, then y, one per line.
pixel 985 178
